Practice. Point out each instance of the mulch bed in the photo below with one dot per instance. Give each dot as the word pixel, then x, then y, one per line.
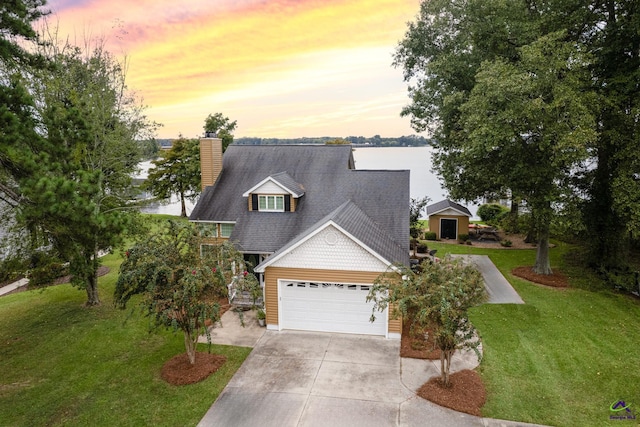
pixel 102 270
pixel 417 347
pixel 179 371
pixel 466 392
pixel 556 280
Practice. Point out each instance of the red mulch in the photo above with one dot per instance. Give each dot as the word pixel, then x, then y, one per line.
pixel 556 280
pixel 417 347
pixel 102 270
pixel 466 392
pixel 179 371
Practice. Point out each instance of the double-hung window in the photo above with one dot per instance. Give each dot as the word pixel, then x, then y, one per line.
pixel 271 203
pixel 226 229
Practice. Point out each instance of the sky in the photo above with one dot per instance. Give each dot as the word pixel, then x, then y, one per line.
pixel 280 68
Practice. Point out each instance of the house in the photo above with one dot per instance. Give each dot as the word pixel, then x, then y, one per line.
pixel 317 230
pixel 448 219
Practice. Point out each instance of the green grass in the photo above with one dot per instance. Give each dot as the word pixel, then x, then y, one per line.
pixel 563 357
pixel 560 359
pixel 64 364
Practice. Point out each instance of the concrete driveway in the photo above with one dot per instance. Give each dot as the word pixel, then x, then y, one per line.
pixel 320 379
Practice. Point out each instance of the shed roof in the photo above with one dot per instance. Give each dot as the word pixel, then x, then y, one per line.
pixel 443 205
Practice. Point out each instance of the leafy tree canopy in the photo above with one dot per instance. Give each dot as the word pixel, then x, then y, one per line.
pixel 222 127
pixel 504 95
pixel 177 172
pixel 181 279
pixel 436 299
pixel 71 180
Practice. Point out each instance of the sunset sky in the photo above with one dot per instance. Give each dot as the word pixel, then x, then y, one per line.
pixel 281 68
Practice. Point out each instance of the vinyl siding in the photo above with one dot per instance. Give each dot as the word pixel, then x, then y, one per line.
pixel 463 223
pixel 272 274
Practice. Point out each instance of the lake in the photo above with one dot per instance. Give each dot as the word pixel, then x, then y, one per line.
pixel 423 182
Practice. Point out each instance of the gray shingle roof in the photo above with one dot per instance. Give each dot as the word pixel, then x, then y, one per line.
pixel 444 205
pixel 329 182
pixel 289 183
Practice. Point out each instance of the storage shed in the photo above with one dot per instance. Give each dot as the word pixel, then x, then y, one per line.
pixel 448 219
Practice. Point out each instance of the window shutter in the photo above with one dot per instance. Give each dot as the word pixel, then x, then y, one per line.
pixel 287 203
pixel 254 202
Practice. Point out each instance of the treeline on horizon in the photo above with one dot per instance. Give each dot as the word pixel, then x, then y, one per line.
pixel 151 148
pixel 376 141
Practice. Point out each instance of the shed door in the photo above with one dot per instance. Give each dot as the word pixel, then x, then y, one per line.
pixel 328 307
pixel 448 228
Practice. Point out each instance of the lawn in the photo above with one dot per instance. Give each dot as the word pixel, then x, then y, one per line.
pixel 64 364
pixel 562 358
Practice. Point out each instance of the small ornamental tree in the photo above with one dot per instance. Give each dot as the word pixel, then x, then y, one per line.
pixel 415 227
pixel 180 282
pixel 436 299
pixel 176 172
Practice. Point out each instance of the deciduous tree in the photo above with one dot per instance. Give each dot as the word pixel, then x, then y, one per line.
pixel 222 127
pixel 177 172
pixel 504 95
pixel 438 299
pixel 415 210
pixel 180 280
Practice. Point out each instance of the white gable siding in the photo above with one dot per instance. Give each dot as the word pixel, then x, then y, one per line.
pixel 331 249
pixel 450 212
pixel 270 187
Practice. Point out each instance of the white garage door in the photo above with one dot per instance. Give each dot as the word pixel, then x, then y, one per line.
pixel 328 307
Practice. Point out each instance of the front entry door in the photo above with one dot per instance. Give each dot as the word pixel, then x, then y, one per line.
pixel 448 228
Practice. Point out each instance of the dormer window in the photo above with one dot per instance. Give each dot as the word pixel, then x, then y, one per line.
pixel 273 203
pixel 275 193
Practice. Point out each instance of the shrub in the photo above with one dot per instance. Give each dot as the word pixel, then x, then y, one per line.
pixel 506 243
pixel 422 248
pixel 430 235
pixel 490 211
pixel 12 268
pixel 46 274
pixel 463 237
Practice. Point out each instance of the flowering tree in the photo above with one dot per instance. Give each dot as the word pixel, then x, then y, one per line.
pixel 180 279
pixel 437 298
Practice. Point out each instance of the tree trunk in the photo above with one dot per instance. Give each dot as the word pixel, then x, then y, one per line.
pixel 513 216
pixel 543 265
pixel 93 298
pixel 445 366
pixel 183 212
pixel 190 345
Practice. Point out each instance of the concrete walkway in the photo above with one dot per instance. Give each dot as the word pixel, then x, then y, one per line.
pixel 13 286
pixel 499 289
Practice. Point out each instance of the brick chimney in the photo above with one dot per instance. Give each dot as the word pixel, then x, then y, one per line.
pixel 210 160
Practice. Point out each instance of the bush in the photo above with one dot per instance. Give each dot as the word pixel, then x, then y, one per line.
pixel 422 248
pixel 430 235
pixel 490 211
pixel 46 274
pixel 12 268
pixel 463 237
pixel 506 243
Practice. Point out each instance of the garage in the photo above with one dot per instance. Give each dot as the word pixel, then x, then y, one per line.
pixel 328 307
